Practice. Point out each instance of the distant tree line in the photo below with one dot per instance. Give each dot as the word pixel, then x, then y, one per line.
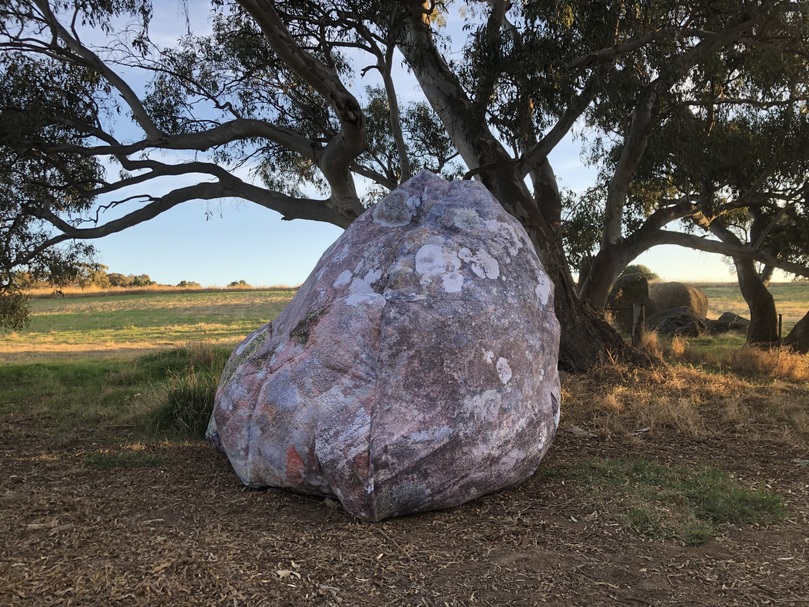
pixel 89 275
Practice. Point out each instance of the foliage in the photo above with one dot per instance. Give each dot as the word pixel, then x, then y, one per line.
pixel 640 269
pixel 14 310
pixel 238 284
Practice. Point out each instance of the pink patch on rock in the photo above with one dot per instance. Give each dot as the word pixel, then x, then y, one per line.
pixel 415 369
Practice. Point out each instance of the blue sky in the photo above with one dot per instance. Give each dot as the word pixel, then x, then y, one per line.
pixel 216 243
pixel 242 241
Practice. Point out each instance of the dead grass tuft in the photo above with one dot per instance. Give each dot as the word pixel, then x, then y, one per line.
pixel 686 399
pixel 676 348
pixel 650 345
pixel 729 354
pixel 775 363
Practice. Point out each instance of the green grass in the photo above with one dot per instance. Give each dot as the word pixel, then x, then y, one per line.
pixel 86 397
pixel 142 321
pixel 188 397
pixel 663 501
pixel 791 300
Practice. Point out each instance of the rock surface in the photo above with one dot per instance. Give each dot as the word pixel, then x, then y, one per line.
pixel 671 295
pixel 727 322
pixel 798 338
pixel 679 321
pixel 415 369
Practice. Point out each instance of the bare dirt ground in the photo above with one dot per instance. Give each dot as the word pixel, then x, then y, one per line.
pixel 184 532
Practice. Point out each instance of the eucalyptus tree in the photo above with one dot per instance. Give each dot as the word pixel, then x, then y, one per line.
pixel 292 93
pixel 725 153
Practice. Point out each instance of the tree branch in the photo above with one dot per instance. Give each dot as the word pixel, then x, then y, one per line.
pixel 289 207
pixel 395 114
pixel 731 250
pixel 539 152
pixel 228 132
pixel 341 151
pixel 611 52
pixel 90 59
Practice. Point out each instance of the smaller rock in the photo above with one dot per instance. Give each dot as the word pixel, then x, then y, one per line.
pixel 728 322
pixel 798 338
pixel 679 321
pixel 671 295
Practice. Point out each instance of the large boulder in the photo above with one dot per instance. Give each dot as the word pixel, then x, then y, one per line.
pixel 629 290
pixel 671 295
pixel 798 338
pixel 415 369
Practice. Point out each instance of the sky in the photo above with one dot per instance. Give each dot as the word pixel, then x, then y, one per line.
pixel 215 243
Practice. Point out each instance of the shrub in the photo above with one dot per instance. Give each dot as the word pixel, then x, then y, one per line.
pixel 640 269
pixel 187 405
pixel 187 401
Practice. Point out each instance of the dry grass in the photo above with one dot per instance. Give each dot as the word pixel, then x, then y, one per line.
pixel 750 394
pixel 749 361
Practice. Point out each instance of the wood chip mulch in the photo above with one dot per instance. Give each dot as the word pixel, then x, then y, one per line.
pixel 184 532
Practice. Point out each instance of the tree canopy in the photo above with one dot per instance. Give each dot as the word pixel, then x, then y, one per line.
pixel 695 113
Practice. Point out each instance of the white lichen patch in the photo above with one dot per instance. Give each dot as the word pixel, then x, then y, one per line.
pixel 453 282
pixel 396 209
pixel 361 288
pixel 465 219
pixel 344 278
pixel 364 284
pixel 483 407
pixel 506 234
pixel 375 299
pixel 432 261
pixel 483 264
pixel 543 290
pixel 503 370
pixel 441 433
pixel 488 356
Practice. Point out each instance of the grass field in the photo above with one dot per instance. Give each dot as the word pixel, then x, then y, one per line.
pixel 110 322
pixel 134 322
pixel 791 300
pixel 682 483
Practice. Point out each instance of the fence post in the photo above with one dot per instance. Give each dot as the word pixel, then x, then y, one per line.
pixel 638 321
pixel 780 328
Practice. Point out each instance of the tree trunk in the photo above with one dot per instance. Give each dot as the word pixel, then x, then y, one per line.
pixel 763 329
pixel 587 338
pixel 607 265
